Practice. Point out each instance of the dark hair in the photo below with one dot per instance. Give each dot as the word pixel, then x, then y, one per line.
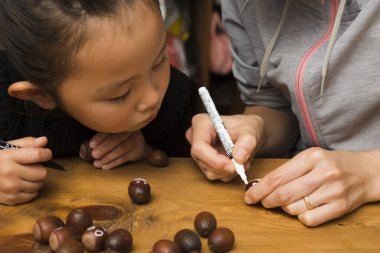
pixel 40 37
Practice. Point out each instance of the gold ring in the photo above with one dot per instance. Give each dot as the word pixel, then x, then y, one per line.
pixel 307 203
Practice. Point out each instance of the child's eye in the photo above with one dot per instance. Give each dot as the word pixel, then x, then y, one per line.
pixel 158 65
pixel 120 99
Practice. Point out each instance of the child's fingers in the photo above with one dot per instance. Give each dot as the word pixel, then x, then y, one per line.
pixel 97 139
pixel 19 198
pixel 109 143
pixel 28 155
pixel 30 142
pixel 33 173
pixel 30 187
pixel 126 157
pixel 117 152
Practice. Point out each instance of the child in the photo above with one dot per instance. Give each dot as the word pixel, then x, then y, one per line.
pixel 90 66
pixel 309 74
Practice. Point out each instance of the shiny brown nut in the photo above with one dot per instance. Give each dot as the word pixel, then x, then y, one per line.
pixel 205 223
pixel 139 191
pixel 158 158
pixel 80 219
pixel 93 238
pixel 221 240
pixel 119 240
pixel 70 246
pixel 166 246
pixel 251 183
pixel 187 240
pixel 85 151
pixel 44 226
pixel 60 235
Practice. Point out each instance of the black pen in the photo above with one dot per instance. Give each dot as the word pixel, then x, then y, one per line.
pixel 49 164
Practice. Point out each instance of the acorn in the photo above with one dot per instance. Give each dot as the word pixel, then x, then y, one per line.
pixel 93 238
pixel 70 246
pixel 80 219
pixel 44 226
pixel 158 158
pixel 221 240
pixel 205 223
pixel 139 191
pixel 119 240
pixel 187 240
pixel 166 246
pixel 85 151
pixel 62 234
pixel 251 183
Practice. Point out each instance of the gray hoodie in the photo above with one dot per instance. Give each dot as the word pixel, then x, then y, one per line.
pixel 345 112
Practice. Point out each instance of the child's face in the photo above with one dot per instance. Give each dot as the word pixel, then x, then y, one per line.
pixel 121 74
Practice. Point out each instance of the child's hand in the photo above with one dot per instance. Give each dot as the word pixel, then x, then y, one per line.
pixel 112 150
pixel 20 177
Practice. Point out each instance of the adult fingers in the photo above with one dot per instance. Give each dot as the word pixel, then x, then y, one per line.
pixel 245 147
pixel 287 172
pixel 323 195
pixel 321 214
pixel 293 190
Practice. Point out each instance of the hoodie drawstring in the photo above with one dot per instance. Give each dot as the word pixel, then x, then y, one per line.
pixel 272 43
pixel 332 40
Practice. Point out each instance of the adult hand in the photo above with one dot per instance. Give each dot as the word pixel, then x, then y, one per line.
pixel 318 185
pixel 246 132
pixel 112 150
pixel 20 176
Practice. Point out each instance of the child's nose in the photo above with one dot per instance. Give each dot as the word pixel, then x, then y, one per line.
pixel 150 99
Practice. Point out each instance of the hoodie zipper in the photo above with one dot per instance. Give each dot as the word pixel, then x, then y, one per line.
pixel 300 73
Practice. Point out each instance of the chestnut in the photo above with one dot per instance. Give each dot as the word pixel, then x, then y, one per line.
pixel 93 238
pixel 119 240
pixel 166 246
pixel 80 219
pixel 187 240
pixel 70 246
pixel 62 234
pixel 139 191
pixel 85 151
pixel 158 158
pixel 221 240
pixel 251 183
pixel 44 226
pixel 205 223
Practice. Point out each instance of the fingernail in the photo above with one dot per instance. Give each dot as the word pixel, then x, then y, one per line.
pixel 98 164
pixel 247 199
pixel 241 155
pixel 106 167
pixel 95 154
pixel 230 168
pixel 92 144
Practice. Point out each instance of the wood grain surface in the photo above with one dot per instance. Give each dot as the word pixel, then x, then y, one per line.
pixel 179 193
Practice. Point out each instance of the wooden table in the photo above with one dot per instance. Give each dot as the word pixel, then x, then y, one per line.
pixel 180 192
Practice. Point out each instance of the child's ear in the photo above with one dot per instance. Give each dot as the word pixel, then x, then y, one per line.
pixel 27 91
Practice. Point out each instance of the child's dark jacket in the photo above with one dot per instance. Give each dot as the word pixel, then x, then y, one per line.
pixel 65 135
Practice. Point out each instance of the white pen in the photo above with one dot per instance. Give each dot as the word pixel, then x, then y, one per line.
pixel 221 130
